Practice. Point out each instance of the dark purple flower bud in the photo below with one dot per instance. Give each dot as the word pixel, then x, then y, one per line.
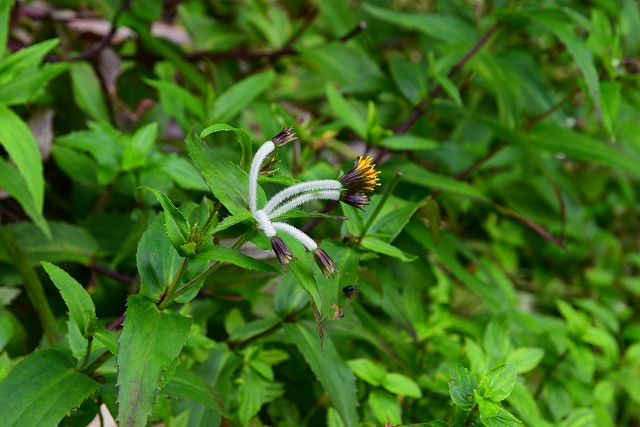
pixel 286 136
pixel 357 200
pixel 281 251
pixel 325 262
pixel 362 178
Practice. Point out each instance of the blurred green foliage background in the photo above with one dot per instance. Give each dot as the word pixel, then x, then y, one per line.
pixel 495 275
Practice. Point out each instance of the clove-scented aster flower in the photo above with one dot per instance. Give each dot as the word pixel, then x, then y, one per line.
pixel 281 250
pixel 362 178
pixel 357 200
pixel 325 262
pixel 284 137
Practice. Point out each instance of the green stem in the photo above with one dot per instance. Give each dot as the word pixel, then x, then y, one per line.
pixel 207 272
pixel 170 293
pixel 213 213
pixel 32 284
pixel 472 412
pixel 87 353
pixel 385 196
pixel 89 370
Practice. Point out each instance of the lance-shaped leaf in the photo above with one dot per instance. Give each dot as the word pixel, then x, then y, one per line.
pixel 150 342
pixel 240 95
pixel 332 372
pixel 233 256
pixel 158 261
pixel 17 140
pixel 227 182
pixel 242 138
pixel 174 222
pixel 78 301
pixel 42 389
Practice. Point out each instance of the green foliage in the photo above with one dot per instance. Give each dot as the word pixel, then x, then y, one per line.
pixel 491 279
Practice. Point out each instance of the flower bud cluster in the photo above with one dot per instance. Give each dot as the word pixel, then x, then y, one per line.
pixel 350 188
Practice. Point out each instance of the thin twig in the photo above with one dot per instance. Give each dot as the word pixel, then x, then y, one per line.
pixel 360 27
pixel 308 18
pixel 95 50
pixel 105 271
pixel 419 110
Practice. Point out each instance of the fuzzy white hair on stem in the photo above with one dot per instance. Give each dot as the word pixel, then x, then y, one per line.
pixel 264 223
pixel 303 187
pixel 304 198
pixel 263 152
pixel 297 234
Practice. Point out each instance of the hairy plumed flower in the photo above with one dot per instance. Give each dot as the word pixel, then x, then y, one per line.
pixel 357 200
pixel 284 137
pixel 362 178
pixel 325 262
pixel 281 250
pixel 350 189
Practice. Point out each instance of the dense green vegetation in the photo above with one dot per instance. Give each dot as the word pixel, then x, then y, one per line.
pixel 149 264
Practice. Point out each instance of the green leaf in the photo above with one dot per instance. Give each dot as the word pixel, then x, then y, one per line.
pixel 227 182
pixel 611 93
pixel 240 95
pixel 28 85
pixel 333 419
pixel 138 147
pixel 87 91
pixel 414 174
pixel 5 8
pixel 233 256
pixel 498 383
pixel 382 247
pixel 385 407
pixel 232 220
pixel 402 386
pixel 332 372
pixel 494 415
pixel 13 183
pixel 368 371
pixel 108 338
pixel 78 301
pixel 578 50
pixel 526 358
pixel 431 211
pixel 187 385
pixel 461 388
pixel 245 331
pixel 251 396
pixel 68 243
pixel 182 172
pixel 408 142
pixel 496 338
pixel 561 140
pixel 41 389
pixel 442 27
pixel 409 77
pixel 345 111
pixel 151 340
pixel 158 261
pixel 17 140
pixel 175 224
pixel 242 138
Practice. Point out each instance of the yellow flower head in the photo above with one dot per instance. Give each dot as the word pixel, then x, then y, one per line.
pixel 363 177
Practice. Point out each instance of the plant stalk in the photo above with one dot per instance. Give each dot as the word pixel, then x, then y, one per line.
pixel 32 284
pixel 385 196
pixel 169 294
pixel 207 272
pixel 87 353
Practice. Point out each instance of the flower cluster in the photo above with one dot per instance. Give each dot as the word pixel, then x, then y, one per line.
pixel 350 188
